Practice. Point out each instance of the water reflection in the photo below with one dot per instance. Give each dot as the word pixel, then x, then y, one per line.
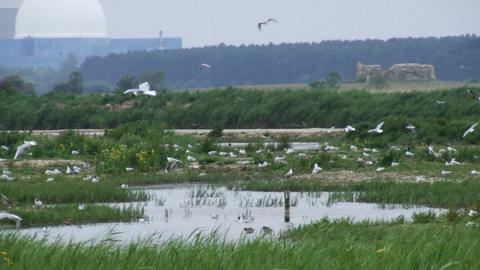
pixel 182 210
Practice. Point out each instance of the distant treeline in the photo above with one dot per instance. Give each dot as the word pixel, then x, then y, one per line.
pixel 443 113
pixel 454 58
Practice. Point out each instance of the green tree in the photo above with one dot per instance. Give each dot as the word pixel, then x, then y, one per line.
pixel 156 79
pixel 333 80
pixel 69 65
pixel 97 87
pixel 126 82
pixel 377 81
pixel 75 82
pixel 73 85
pixel 317 84
pixel 216 132
pixel 267 64
pixel 15 84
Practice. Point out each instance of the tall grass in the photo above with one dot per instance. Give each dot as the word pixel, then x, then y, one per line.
pixel 58 215
pixel 447 194
pixel 267 109
pixel 68 191
pixel 325 245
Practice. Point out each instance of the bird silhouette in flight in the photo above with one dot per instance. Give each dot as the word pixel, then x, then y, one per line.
pixel 261 24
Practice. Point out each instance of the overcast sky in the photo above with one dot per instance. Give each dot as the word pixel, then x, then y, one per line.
pixel 210 22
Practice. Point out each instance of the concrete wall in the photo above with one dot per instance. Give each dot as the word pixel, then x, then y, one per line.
pixel 10 47
pixel 52 51
pixel 7 22
pixel 148 44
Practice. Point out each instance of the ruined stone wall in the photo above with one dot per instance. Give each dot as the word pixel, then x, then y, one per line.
pixel 399 72
pixel 411 72
pixel 364 72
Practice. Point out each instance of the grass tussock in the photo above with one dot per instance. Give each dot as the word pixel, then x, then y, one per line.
pixel 63 191
pixel 445 194
pixel 69 214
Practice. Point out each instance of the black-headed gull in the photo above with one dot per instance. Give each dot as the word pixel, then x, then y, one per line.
pixel 378 129
pixel 261 24
pixel 452 162
pixel 17 219
pixel 81 207
pixel 469 130
pixel 143 89
pixel 410 127
pixel 204 66
pixel 316 169
pixel 349 129
pixel 23 147
pixel 444 173
pixel 172 163
pixel 38 203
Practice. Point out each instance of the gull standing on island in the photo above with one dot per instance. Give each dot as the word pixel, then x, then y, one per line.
pixel 172 163
pixel 316 169
pixel 349 128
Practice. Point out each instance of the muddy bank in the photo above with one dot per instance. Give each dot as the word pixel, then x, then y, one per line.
pixel 247 133
pixel 43 163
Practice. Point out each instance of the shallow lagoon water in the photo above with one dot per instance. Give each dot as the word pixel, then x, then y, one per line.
pixel 180 210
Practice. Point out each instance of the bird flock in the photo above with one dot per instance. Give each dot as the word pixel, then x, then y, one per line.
pixel 173 163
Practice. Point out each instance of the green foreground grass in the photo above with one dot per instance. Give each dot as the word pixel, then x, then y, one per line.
pixel 325 245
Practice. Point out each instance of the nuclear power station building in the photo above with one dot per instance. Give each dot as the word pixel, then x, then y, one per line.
pixel 31 35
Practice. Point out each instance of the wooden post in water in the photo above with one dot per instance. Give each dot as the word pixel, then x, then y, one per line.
pixel 286 195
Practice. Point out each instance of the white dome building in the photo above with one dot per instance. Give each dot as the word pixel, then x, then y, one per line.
pixel 61 19
pixel 45 32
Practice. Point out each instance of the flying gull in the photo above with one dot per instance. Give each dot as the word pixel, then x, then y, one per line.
pixel 261 24
pixel 204 66
pixel 143 89
pixel 469 130
pixel 17 219
pixel 377 129
pixel 23 147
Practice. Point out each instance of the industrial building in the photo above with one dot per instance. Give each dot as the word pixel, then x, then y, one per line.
pixel 47 41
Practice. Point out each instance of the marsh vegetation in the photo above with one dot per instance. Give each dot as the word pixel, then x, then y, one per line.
pixel 398 170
